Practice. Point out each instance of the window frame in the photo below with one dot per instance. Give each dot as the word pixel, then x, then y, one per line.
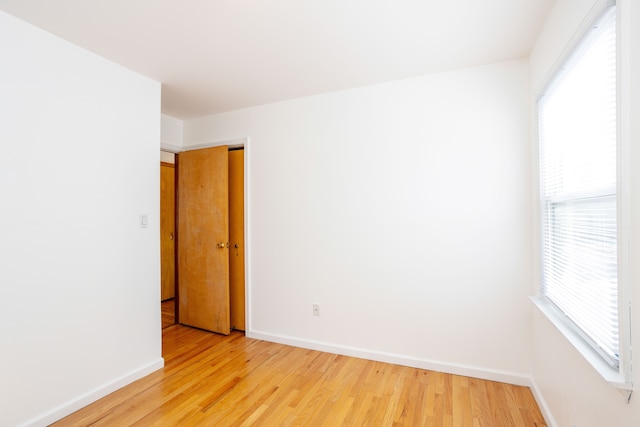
pixel 619 377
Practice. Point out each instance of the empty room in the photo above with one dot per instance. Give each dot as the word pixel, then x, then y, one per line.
pixel 438 207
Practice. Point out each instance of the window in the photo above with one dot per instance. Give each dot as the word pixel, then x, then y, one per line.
pixel 578 190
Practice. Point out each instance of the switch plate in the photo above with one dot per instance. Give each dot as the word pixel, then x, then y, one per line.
pixel 316 309
pixel 144 221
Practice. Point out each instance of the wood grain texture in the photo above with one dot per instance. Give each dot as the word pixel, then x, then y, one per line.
pixel 203 224
pixel 168 310
pixel 167 231
pixel 217 380
pixel 236 240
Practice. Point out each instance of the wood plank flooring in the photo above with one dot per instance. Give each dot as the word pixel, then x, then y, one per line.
pixel 216 380
pixel 168 309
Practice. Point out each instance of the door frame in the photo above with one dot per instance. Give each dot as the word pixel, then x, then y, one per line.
pixel 244 143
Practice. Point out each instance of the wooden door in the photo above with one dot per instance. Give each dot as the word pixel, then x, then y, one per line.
pixel 203 239
pixel 167 231
pixel 236 239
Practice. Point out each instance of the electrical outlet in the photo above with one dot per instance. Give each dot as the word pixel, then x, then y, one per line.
pixel 316 309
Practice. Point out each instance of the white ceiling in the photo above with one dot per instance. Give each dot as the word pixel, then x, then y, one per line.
pixel 220 55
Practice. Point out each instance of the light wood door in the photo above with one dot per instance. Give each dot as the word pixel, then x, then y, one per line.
pixel 203 239
pixel 236 239
pixel 167 231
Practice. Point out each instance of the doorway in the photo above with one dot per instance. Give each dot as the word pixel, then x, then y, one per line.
pixel 167 238
pixel 199 184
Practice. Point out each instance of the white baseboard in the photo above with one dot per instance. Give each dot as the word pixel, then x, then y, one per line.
pixel 398 359
pixel 542 404
pixel 449 368
pixel 438 366
pixel 91 396
pixel 97 393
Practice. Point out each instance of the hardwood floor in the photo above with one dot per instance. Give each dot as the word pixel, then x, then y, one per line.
pixel 168 312
pixel 216 380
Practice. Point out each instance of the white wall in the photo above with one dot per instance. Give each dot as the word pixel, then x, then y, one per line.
pixel 171 133
pixel 570 388
pixel 403 209
pixel 80 281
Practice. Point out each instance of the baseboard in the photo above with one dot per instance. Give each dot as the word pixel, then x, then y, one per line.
pixel 398 359
pixel 91 396
pixel 449 368
pixel 542 404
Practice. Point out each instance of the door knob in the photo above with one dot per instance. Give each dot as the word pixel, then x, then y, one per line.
pixel 223 245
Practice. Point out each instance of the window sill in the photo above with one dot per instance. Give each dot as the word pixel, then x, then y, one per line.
pixel 614 377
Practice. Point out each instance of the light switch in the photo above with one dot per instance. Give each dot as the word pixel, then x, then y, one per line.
pixel 144 220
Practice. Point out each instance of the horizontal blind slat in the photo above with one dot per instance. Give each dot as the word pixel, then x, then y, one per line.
pixel 578 171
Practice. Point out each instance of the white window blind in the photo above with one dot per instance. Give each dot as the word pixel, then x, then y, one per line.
pixel 578 170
